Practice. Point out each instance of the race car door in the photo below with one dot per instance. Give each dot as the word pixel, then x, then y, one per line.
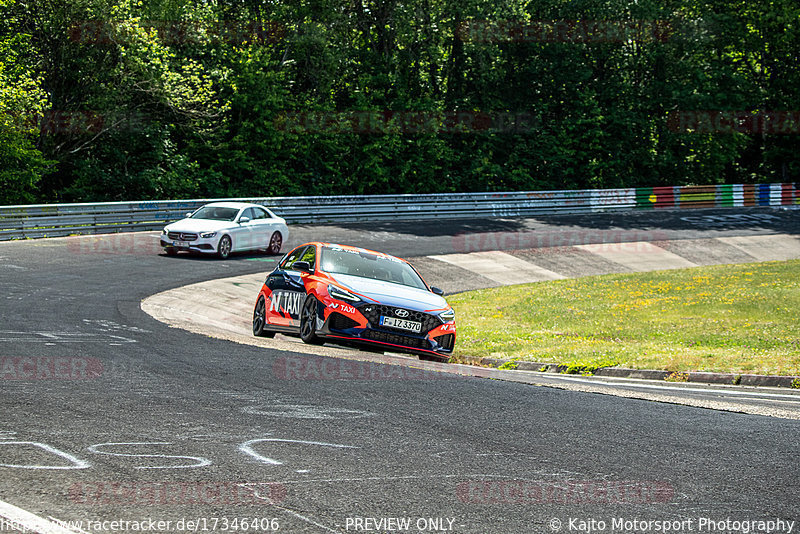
pixel 288 291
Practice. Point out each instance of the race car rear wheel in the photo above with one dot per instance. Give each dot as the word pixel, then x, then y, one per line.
pixel 275 243
pixel 224 247
pixel 308 322
pixel 260 319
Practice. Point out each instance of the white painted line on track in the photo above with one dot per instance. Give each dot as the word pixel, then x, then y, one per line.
pixel 76 463
pixel 500 267
pixel 28 522
pixel 626 384
pixel 306 519
pixel 247 448
pixel 200 462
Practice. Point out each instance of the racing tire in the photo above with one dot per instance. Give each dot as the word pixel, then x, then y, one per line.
pixel 260 319
pixel 275 243
pixel 308 322
pixel 224 247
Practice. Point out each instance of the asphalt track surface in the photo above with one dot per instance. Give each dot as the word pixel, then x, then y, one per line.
pixel 128 419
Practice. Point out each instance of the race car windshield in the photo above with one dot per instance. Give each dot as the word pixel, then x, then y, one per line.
pixel 215 213
pixel 368 265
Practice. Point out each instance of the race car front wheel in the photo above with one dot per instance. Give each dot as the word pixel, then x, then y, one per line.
pixel 308 322
pixel 260 319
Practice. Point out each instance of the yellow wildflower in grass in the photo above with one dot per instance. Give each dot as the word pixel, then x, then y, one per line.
pixel 708 318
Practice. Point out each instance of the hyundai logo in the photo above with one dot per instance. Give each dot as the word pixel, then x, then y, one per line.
pixel 401 313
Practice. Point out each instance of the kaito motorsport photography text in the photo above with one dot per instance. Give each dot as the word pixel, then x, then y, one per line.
pixel 695 524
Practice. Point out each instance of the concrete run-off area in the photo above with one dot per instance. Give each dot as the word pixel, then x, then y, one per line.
pixel 223 308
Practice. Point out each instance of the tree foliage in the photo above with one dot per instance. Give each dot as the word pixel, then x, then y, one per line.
pixel 121 99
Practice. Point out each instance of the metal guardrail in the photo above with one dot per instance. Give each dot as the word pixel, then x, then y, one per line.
pixel 51 220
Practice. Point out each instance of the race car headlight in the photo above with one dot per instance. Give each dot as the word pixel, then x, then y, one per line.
pixel 342 294
pixel 447 315
pixel 208 234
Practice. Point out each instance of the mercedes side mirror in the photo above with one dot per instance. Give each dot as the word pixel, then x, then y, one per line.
pixel 244 220
pixel 437 291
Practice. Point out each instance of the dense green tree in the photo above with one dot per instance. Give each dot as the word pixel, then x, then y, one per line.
pixel 120 99
pixel 22 103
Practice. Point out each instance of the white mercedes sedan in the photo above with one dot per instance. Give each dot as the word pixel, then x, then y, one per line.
pixel 224 227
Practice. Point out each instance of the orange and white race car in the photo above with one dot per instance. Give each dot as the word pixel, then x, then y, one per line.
pixel 353 296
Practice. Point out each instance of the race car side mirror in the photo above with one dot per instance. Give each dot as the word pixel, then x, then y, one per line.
pixel 437 291
pixel 302 266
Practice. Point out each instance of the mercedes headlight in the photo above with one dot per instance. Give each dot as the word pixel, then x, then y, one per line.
pixel 208 234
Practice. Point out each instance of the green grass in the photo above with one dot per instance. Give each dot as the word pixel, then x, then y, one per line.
pixel 726 318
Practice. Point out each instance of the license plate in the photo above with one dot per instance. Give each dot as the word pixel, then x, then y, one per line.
pixel 402 324
pixel 180 243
